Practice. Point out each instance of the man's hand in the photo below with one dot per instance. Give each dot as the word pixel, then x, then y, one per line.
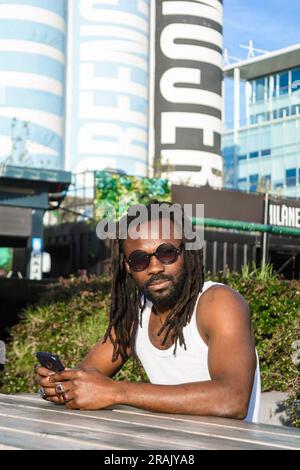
pixel 42 379
pixel 87 389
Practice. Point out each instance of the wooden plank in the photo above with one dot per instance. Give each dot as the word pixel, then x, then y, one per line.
pixel 36 440
pixel 4 447
pixel 105 432
pixel 129 428
pixel 112 424
pixel 248 434
pixel 113 436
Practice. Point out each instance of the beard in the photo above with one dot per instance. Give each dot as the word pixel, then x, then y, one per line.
pixel 165 298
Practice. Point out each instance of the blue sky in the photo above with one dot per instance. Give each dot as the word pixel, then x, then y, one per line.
pixel 272 24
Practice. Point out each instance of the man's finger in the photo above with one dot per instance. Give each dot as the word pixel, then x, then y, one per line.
pixel 55 400
pixel 64 375
pixel 50 392
pixel 43 381
pixel 41 370
pixel 63 387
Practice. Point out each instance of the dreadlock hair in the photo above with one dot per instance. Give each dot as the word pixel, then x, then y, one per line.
pixel 127 303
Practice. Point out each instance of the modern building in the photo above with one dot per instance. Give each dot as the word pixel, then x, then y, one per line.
pixel 32 83
pixel 108 76
pixel 261 146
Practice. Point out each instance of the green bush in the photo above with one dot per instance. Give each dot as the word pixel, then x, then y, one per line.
pixel 73 316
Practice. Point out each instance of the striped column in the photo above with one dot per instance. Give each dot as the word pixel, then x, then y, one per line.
pixel 32 82
pixel 188 91
pixel 107 100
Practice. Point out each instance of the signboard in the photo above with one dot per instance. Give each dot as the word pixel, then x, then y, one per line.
pixel 36 260
pixel 284 215
pixel 188 90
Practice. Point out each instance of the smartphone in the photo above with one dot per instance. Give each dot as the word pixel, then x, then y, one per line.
pixel 51 361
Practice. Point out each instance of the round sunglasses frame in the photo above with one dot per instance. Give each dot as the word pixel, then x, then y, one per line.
pixel 176 250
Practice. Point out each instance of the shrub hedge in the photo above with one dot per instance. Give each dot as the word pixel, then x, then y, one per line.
pixel 73 315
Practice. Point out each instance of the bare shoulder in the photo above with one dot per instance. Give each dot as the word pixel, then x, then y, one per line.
pixel 221 306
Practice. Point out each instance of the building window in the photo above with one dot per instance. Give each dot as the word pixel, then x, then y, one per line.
pixel 242 157
pixel 261 117
pixel 290 177
pixel 284 112
pixel 296 109
pixel 267 180
pixel 254 155
pixel 253 183
pixel 254 178
pixel 266 152
pixel 260 89
pixel 275 85
pixel 253 120
pixel 295 80
pixel 284 83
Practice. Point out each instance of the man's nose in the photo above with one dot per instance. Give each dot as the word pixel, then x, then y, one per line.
pixel 155 266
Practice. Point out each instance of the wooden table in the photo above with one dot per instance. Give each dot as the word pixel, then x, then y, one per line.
pixel 28 422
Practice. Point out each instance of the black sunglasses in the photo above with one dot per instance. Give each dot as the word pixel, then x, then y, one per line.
pixel 166 253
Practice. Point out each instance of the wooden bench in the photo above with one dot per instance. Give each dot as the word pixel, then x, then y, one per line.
pixel 28 422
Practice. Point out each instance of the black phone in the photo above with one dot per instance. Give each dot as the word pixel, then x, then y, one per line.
pixel 51 361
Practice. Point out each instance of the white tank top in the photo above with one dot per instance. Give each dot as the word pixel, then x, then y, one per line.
pixel 190 365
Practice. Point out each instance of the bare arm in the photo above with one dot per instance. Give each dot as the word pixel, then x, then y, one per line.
pixel 223 315
pixel 224 322
pixel 100 358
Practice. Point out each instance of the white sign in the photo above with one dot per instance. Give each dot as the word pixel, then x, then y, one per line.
pixel 284 216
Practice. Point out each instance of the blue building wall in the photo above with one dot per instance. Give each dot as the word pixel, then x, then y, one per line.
pixel 108 86
pixel 32 82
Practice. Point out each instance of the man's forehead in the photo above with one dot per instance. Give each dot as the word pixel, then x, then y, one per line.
pixel 162 229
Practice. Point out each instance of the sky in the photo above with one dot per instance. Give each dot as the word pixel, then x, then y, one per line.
pixel 272 24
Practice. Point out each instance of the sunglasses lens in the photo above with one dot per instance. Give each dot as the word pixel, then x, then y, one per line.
pixel 139 261
pixel 167 254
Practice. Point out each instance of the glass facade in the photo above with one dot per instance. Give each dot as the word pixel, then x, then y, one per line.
pixel 264 152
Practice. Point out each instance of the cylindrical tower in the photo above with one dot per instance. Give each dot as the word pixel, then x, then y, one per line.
pixel 188 91
pixel 107 98
pixel 32 82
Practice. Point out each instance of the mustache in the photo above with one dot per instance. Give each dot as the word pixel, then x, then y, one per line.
pixel 157 277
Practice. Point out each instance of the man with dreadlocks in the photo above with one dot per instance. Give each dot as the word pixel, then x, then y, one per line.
pixel 193 338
